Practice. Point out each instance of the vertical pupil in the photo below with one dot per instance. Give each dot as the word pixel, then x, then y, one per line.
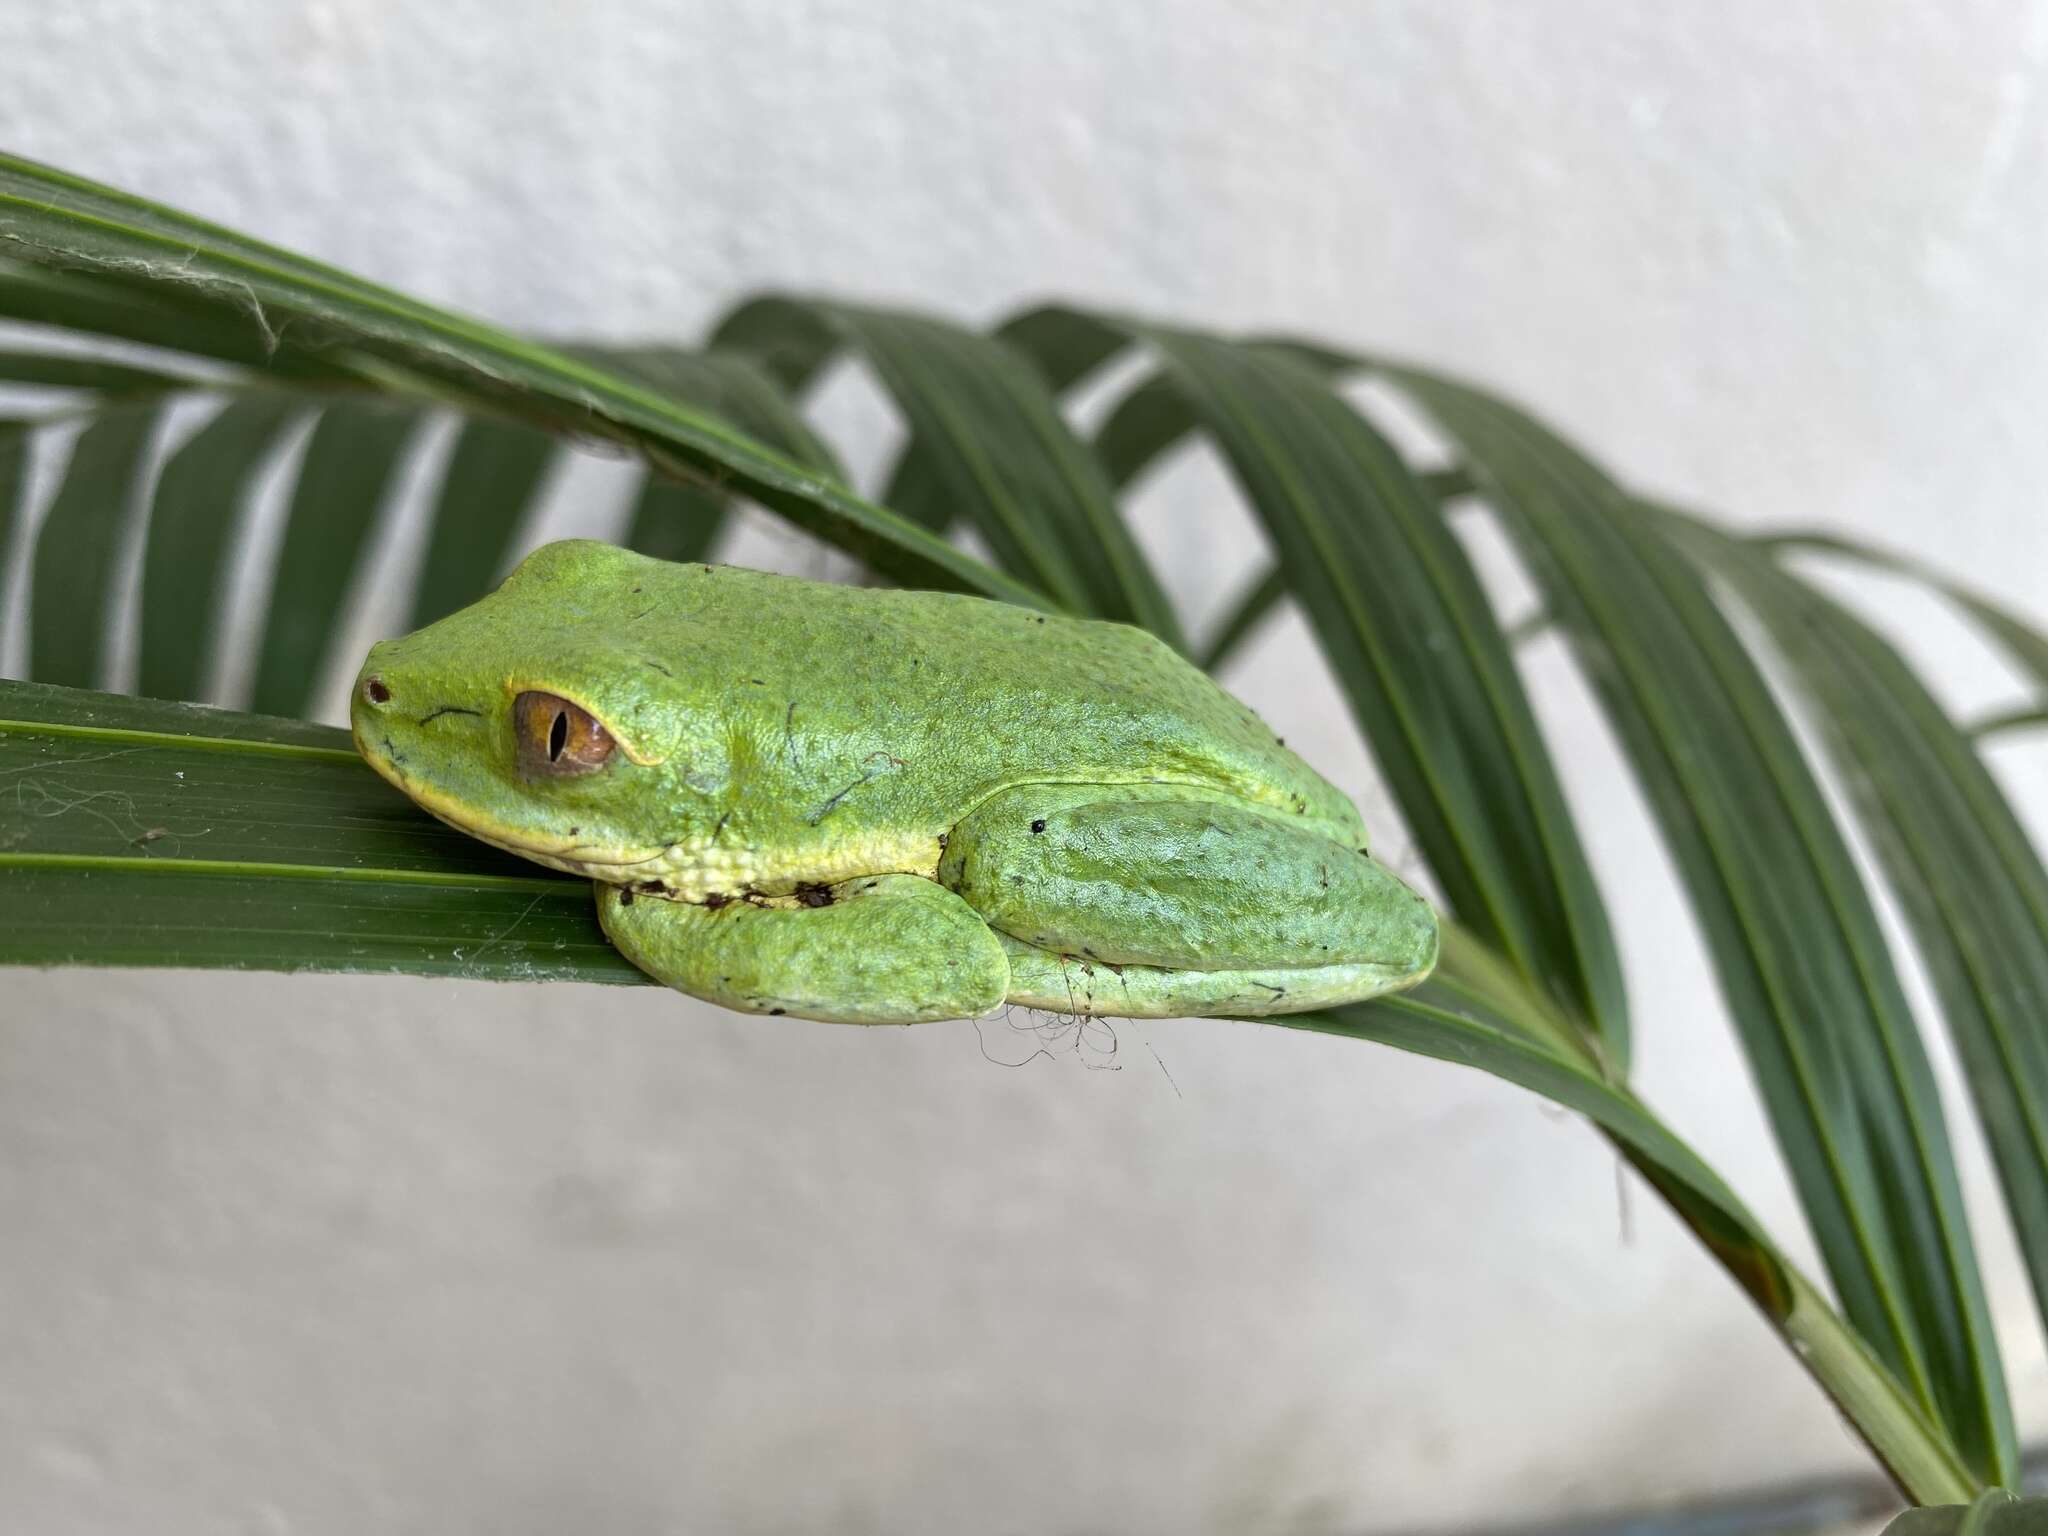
pixel 558 736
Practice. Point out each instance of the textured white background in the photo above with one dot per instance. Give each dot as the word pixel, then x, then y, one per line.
pixel 346 1255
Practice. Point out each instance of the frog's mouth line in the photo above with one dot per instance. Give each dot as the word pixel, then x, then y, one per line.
pixel 613 866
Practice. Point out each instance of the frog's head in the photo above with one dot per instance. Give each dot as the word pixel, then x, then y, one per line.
pixel 528 721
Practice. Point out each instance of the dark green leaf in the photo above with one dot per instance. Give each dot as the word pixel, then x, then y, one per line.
pixel 1794 937
pixel 2026 645
pixel 78 303
pixel 295 310
pixel 1409 633
pixel 1971 886
pixel 2010 720
pixel 681 519
pixel 987 443
pixel 64 371
pixel 1247 611
pixel 198 509
pixel 342 485
pixel 136 833
pixel 14 446
pixel 790 340
pixel 487 494
pixel 78 548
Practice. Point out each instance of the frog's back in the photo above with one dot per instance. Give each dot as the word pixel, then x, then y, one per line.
pixel 926 703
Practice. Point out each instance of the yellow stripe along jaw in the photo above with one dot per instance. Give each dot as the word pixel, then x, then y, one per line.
pixel 689 869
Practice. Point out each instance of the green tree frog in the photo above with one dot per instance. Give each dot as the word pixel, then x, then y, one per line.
pixel 885 806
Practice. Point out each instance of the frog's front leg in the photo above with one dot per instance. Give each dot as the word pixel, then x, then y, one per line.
pixel 1155 901
pixel 881 949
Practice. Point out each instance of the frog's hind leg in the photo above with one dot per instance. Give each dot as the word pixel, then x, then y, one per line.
pixel 881 949
pixel 1157 901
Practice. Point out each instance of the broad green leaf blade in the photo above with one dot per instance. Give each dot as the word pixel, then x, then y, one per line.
pixel 350 461
pixel 1792 932
pixel 197 511
pixel 76 302
pixel 1408 631
pixel 1969 882
pixel 487 493
pixel 987 443
pixel 296 309
pixel 141 832
pixel 71 607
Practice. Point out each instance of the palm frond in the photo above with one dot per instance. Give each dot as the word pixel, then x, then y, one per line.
pixel 138 831
pixel 1802 962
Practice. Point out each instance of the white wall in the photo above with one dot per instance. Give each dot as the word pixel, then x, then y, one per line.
pixel 337 1255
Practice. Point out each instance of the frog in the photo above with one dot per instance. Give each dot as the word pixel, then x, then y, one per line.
pixel 863 804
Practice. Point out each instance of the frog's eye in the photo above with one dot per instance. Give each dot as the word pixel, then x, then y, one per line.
pixel 554 738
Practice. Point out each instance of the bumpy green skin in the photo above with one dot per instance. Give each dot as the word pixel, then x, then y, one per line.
pixel 1087 822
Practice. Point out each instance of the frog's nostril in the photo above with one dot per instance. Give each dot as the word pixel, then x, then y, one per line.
pixel 375 691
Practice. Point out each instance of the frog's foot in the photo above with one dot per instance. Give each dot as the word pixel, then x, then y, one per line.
pixel 1071 984
pixel 881 949
pixel 1149 901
